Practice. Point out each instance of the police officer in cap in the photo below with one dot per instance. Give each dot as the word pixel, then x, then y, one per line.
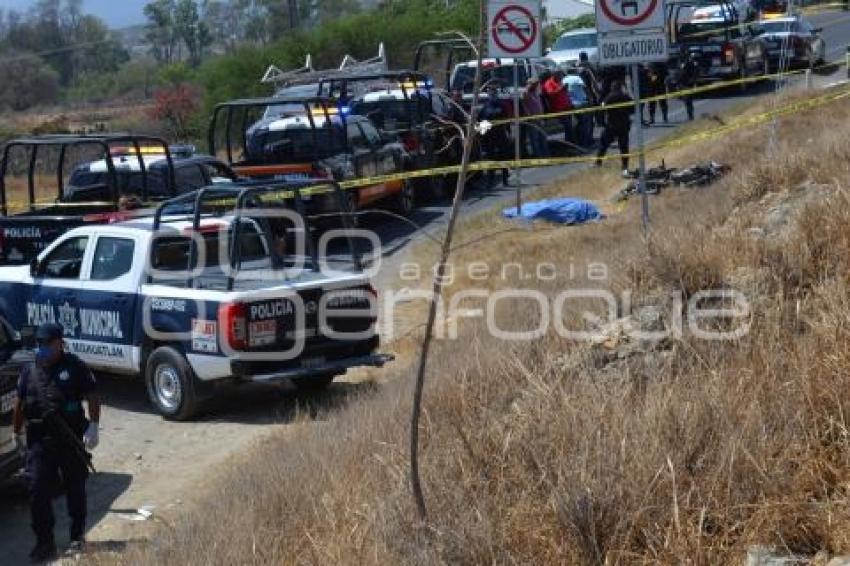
pixel 58 435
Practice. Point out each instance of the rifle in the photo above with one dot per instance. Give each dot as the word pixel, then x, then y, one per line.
pixel 58 426
pixel 60 429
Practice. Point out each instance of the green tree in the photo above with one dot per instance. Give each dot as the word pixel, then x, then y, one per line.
pixel 160 30
pixel 26 81
pixel 191 29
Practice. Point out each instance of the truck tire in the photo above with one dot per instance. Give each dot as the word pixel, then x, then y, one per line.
pixel 351 210
pixel 314 383
pixel 170 383
pixel 405 199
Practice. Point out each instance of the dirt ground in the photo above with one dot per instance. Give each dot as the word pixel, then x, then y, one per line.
pixel 146 462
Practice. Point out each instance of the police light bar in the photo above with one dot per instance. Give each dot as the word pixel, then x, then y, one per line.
pixel 123 151
pixel 426 84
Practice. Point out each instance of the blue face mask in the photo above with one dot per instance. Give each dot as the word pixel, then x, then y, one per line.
pixel 43 354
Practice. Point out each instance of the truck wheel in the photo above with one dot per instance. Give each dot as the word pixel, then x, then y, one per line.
pixel 405 199
pixel 171 384
pixel 743 86
pixel 352 209
pixel 314 383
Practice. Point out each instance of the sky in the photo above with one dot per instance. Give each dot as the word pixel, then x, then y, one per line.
pixel 116 13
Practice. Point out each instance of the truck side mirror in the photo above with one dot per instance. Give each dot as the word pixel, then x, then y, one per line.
pixel 34 267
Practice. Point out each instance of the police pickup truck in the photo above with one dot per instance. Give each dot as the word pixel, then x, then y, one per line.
pixel 191 300
pixel 131 170
pixel 11 360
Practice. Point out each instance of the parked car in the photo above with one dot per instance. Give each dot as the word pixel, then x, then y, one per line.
pixel 792 41
pixel 724 44
pixel 569 45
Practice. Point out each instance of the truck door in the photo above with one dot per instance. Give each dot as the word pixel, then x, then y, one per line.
pixel 365 163
pixel 107 305
pixel 56 286
pixel 387 157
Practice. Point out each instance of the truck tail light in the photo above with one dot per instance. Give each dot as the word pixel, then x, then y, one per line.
pixel 234 324
pixel 411 143
pixel 318 172
pixel 729 54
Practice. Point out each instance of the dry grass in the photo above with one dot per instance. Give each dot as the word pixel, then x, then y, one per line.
pixel 549 451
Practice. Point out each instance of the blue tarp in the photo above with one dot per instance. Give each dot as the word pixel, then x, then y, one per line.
pixel 558 210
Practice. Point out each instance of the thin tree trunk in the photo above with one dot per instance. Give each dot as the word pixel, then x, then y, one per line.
pixel 416 413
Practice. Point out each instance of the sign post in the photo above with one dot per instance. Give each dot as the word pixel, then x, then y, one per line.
pixel 632 32
pixel 515 32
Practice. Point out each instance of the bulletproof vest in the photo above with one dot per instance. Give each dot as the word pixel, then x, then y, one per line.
pixel 43 396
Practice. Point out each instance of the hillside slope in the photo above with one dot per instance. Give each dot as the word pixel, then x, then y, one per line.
pixel 623 449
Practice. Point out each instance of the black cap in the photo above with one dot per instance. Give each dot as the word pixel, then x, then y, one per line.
pixel 48 331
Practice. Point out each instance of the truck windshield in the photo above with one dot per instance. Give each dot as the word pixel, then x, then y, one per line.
pixel 393 114
pixel 575 42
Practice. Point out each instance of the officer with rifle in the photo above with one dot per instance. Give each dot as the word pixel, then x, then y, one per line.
pixel 58 436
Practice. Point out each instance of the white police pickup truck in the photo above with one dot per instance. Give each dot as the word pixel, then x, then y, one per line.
pixel 129 303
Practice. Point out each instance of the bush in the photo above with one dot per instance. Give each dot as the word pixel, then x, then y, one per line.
pixel 27 81
pixel 175 107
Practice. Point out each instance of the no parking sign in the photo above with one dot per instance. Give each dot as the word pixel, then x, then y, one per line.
pixel 514 28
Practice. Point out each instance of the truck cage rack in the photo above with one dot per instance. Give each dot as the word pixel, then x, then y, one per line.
pixel 243 193
pixel 407 81
pixel 676 7
pixel 307 74
pixel 311 105
pixel 454 45
pixel 63 141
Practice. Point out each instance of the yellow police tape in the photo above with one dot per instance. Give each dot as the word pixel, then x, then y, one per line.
pixel 490 165
pixel 675 94
pixel 555 161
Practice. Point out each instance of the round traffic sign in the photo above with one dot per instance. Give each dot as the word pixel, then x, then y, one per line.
pixel 631 12
pixel 514 29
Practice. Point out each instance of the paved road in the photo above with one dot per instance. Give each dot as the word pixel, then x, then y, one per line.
pixel 147 461
pixel 395 235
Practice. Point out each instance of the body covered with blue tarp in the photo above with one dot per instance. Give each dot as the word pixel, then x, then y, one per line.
pixel 558 210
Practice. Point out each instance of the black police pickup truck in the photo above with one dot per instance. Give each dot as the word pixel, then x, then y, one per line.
pixel 11 361
pixel 130 172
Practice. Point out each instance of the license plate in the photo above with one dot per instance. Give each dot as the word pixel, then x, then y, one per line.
pixel 262 333
pixel 313 363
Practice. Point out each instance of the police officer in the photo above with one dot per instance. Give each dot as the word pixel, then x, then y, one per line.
pixel 50 401
pixel 687 79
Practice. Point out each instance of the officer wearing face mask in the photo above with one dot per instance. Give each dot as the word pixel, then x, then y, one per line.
pixel 51 393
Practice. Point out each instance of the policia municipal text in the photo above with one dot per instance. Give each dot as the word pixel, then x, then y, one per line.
pixel 58 435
